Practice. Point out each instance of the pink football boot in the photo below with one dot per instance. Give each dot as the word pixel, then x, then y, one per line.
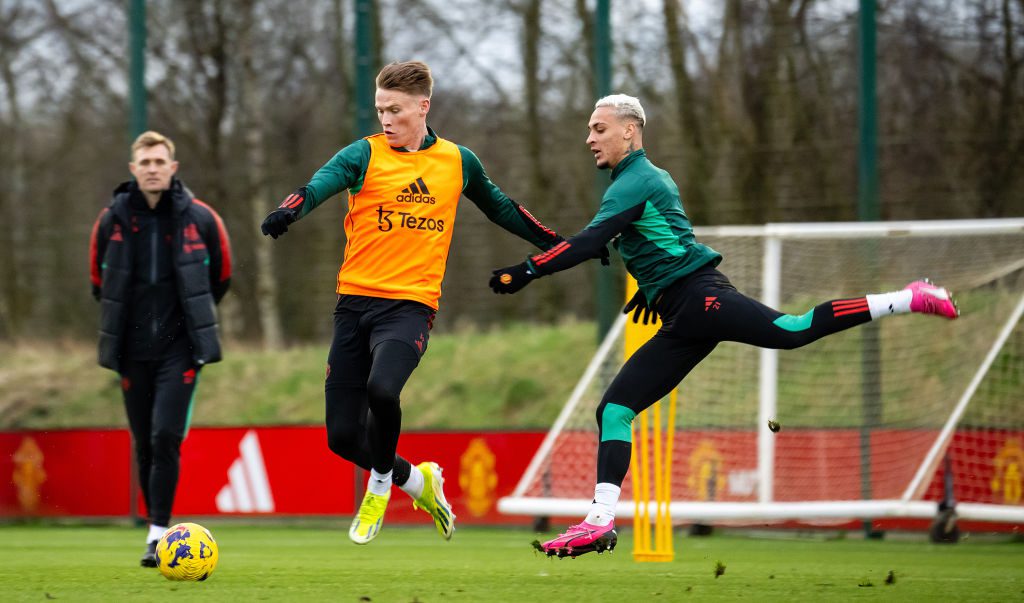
pixel 931 299
pixel 579 539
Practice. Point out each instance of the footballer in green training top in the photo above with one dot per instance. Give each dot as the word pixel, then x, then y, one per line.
pixel 642 214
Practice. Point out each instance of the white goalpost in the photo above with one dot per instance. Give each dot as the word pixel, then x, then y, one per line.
pixel 884 420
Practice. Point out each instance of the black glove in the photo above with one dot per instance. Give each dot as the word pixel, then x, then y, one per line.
pixel 276 223
pixel 638 305
pixel 511 279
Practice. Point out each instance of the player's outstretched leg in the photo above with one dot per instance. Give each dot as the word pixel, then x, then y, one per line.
pixel 931 299
pixel 579 539
pixel 432 499
pixel 370 518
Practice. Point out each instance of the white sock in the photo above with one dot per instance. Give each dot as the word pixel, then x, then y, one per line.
pixel 414 485
pixel 602 510
pixel 380 483
pixel 155 532
pixel 884 304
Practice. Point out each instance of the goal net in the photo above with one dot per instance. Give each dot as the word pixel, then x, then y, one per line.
pixel 871 416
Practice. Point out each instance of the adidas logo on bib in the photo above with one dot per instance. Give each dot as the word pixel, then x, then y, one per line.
pixel 416 192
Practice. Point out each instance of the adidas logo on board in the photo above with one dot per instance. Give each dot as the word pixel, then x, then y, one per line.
pixel 248 487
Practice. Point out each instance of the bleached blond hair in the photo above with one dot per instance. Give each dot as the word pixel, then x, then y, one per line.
pixel 626 107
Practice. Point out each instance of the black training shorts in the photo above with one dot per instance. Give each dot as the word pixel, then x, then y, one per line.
pixel 361 323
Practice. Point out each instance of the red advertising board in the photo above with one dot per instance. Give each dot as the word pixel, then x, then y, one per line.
pixel 264 470
pixel 251 472
pixel 284 471
pixel 58 473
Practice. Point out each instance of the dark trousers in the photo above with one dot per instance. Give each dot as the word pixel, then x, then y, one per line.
pixel 698 312
pixel 158 399
pixel 376 346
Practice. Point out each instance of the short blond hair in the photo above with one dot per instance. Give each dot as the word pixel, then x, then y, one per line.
pixel 625 106
pixel 411 77
pixel 152 138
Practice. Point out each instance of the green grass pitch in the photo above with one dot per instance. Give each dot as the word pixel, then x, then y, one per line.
pixel 281 563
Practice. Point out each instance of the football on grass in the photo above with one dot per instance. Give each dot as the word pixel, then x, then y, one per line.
pixel 187 551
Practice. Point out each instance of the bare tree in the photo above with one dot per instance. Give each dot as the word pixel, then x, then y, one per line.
pixel 754 112
pixel 20 23
pixel 533 132
pixel 1005 153
pixel 694 152
pixel 253 118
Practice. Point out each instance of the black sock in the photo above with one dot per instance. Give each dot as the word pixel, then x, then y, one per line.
pixel 400 472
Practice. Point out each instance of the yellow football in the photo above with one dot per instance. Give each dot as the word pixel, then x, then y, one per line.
pixel 187 551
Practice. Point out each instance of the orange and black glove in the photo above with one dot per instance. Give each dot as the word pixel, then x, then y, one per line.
pixel 512 279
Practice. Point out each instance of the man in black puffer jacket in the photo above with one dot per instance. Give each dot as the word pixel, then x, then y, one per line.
pixel 160 261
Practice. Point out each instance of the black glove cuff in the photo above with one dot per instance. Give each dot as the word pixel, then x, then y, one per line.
pixel 294 201
pixel 531 269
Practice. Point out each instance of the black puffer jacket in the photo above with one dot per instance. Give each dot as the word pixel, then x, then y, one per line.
pixel 202 266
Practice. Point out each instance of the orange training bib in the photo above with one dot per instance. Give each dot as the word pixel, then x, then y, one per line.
pixel 399 225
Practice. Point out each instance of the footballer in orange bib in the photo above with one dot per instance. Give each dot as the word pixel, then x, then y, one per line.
pixel 399 225
pixel 404 186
